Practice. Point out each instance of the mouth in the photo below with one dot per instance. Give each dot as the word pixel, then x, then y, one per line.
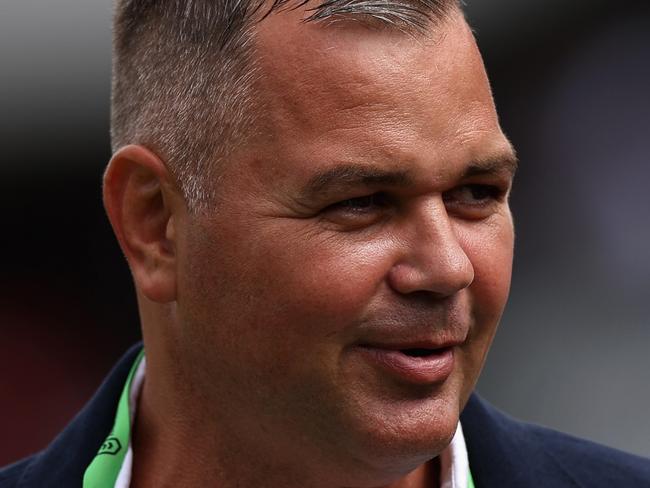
pixel 419 352
pixel 414 365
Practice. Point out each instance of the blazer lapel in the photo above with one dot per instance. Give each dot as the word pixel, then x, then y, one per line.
pixel 505 453
pixel 65 460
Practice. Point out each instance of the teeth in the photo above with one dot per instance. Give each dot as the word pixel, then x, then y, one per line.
pixel 418 352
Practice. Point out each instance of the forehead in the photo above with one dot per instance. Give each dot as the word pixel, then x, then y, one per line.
pixel 348 89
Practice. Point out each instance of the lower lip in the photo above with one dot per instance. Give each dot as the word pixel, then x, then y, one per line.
pixel 423 370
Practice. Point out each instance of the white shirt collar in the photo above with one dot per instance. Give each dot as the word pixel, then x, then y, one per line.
pixel 124 477
pixel 454 463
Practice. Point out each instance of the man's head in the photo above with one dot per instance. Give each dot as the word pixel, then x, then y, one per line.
pixel 329 313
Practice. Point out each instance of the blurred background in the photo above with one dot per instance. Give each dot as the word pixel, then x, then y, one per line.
pixel 571 80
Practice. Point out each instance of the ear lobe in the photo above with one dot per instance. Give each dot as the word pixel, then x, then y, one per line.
pixel 143 205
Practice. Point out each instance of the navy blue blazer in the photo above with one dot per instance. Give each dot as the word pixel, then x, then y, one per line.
pixel 503 452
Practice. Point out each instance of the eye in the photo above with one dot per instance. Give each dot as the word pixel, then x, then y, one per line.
pixel 474 200
pixel 477 193
pixel 358 211
pixel 366 203
pixel 474 194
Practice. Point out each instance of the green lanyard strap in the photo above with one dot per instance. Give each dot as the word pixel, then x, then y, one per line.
pixel 470 480
pixel 105 467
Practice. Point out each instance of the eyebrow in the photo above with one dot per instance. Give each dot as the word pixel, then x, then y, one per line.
pixel 353 176
pixel 347 176
pixel 504 163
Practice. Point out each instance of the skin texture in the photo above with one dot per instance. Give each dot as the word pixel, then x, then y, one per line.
pixel 256 313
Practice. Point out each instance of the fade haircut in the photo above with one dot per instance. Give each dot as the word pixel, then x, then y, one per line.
pixel 183 72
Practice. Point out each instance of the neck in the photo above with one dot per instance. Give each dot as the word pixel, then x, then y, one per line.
pixel 170 450
pixel 184 436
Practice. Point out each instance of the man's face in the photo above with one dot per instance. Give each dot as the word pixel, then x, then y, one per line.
pixel 340 299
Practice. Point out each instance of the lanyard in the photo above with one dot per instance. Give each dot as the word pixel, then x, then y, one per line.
pixel 105 467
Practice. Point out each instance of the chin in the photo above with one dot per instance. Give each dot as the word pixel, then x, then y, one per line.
pixel 382 458
pixel 399 436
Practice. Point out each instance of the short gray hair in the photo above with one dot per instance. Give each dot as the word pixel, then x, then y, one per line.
pixel 183 72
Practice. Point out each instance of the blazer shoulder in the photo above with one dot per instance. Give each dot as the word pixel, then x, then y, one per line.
pixel 584 459
pixel 11 475
pixel 506 452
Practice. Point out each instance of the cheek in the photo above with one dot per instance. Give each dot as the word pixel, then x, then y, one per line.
pixel 489 246
pixel 282 284
pixel 490 249
pixel 328 280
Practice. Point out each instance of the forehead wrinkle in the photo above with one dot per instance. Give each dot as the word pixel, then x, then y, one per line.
pixel 309 58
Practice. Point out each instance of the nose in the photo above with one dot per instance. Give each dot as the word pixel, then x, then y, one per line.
pixel 432 258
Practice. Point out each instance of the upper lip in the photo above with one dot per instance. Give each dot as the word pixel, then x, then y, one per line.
pixel 415 328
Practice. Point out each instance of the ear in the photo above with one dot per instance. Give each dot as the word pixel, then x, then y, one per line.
pixel 143 205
